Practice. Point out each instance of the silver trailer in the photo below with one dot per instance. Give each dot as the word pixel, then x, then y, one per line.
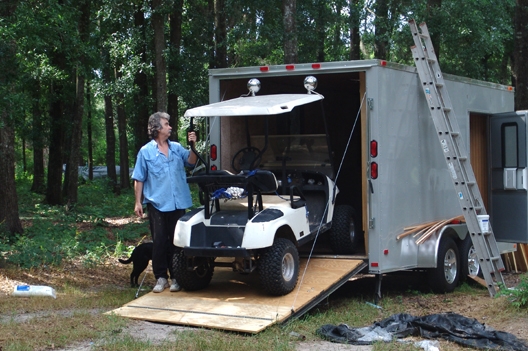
pixel 387 163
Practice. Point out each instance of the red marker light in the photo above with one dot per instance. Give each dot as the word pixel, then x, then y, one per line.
pixel 214 153
pixel 383 63
pixel 373 148
pixel 374 170
pixel 214 168
pixel 386 252
pixel 264 68
pixel 316 65
pixel 290 67
pixel 374 264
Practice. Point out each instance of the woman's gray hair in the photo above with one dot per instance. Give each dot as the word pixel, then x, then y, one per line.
pixel 154 123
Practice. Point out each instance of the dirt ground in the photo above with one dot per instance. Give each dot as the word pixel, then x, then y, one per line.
pixel 481 307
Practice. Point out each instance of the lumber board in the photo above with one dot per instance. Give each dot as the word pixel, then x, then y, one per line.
pixel 236 302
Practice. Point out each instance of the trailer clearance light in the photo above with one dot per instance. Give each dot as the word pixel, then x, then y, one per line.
pixel 214 153
pixel 373 170
pixel 316 65
pixel 374 264
pixel 373 148
pixel 214 168
pixel 290 67
pixel 383 63
pixel 264 69
pixel 386 252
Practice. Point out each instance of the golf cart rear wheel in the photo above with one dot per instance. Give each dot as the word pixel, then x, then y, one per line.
pixel 444 278
pixel 344 237
pixel 196 278
pixel 279 267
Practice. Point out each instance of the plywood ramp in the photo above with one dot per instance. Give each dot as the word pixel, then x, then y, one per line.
pixel 235 302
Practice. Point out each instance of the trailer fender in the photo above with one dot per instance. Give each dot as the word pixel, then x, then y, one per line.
pixel 428 251
pixel 256 234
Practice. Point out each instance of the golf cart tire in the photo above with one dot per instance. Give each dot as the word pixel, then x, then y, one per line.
pixel 444 278
pixel 279 267
pixel 344 236
pixel 196 279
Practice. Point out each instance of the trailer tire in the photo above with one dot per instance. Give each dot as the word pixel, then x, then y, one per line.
pixel 344 237
pixel 279 267
pixel 444 278
pixel 468 260
pixel 196 279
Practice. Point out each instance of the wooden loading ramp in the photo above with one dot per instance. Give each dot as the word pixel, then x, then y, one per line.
pixel 234 302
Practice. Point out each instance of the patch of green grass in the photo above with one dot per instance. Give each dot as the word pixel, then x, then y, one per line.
pixel 518 297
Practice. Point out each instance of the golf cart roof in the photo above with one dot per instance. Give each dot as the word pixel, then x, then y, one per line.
pixel 254 105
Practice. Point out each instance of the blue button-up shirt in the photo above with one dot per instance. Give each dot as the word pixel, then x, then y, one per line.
pixel 164 179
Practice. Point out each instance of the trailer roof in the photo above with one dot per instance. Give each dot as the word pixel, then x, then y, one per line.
pixel 254 105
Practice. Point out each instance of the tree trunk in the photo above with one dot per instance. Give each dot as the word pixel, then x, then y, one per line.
pixel 109 128
pixel 175 23
pixel 355 40
pixel 77 122
pixel 434 24
pixel 520 54
pixel 38 143
pixel 289 11
pixel 159 60
pixel 53 187
pixel 89 130
pixel 220 35
pixel 124 174
pixel 320 31
pixel 381 38
pixel 9 218
pixel 141 81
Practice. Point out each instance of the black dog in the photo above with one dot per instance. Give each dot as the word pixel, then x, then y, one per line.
pixel 140 258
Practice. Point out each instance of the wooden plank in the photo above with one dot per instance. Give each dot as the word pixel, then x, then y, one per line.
pixel 236 302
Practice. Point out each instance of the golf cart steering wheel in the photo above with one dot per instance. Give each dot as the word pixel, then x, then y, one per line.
pixel 246 159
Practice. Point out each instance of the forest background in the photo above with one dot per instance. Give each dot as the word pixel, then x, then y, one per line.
pixel 79 78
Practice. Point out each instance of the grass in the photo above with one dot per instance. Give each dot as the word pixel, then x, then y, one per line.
pixel 72 248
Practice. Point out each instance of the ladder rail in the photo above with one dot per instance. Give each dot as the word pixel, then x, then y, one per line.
pixel 455 155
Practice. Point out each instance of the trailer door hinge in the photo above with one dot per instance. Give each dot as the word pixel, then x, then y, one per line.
pixel 370 103
pixel 371 223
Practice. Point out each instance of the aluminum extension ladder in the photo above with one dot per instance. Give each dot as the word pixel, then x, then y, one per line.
pixel 460 169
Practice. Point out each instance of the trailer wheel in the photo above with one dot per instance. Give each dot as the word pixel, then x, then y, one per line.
pixel 279 267
pixel 196 279
pixel 344 238
pixel 444 278
pixel 468 260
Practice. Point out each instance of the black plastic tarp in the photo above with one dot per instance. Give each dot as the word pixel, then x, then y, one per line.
pixel 448 326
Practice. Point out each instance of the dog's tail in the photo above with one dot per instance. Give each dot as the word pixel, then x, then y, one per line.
pixel 125 261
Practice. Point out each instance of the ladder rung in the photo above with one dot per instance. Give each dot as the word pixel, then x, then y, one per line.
pixel 455 134
pixel 462 158
pixel 447 109
pixel 440 85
